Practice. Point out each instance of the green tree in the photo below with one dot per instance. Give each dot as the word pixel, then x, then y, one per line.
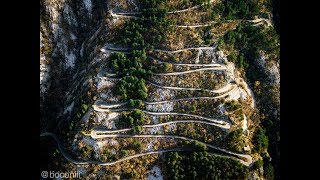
pixel 197 145
pixel 137 129
pixel 134 118
pixel 119 62
pixel 137 146
pixel 233 57
pixel 131 87
pixel 257 165
pixel 135 103
pixel 124 153
pixel 201 165
pixel 260 139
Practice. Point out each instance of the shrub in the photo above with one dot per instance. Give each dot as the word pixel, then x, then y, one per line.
pixel 232 105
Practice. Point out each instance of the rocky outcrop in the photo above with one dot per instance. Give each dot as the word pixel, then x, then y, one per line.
pixel 65 27
pixel 271 68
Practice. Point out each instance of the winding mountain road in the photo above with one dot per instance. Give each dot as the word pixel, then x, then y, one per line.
pixel 196 25
pixel 132 16
pixel 108 105
pixel 259 20
pixel 105 50
pixel 182 64
pixel 105 107
pixel 185 49
pixel 222 68
pixel 248 162
pixel 157 125
pixel 185 10
pixel 221 90
pixel 256 21
pixel 62 150
pixel 104 104
pixel 218 68
pixel 170 12
pixel 124 15
pixel 190 98
pixel 125 50
pixel 82 162
pixel 222 123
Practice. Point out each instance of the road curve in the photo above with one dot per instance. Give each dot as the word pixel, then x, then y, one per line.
pixel 80 162
pixel 107 47
pixel 215 22
pixel 156 125
pixel 131 15
pixel 259 20
pixel 139 13
pixel 170 12
pixel 222 123
pixel 191 8
pixel 63 152
pixel 181 26
pixel 105 50
pixel 125 50
pixel 184 49
pixel 127 13
pixel 218 68
pixel 197 25
pixel 221 90
pixel 124 15
pixel 182 64
pixel 184 10
pixel 248 158
pixel 107 105
pixel 190 98
pixel 222 68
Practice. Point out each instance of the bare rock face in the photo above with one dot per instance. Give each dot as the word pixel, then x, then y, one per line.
pixel 221 58
pixel 65 27
pixel 271 68
pixel 274 73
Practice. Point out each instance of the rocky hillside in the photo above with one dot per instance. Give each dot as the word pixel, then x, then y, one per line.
pixel 160 89
pixel 65 31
